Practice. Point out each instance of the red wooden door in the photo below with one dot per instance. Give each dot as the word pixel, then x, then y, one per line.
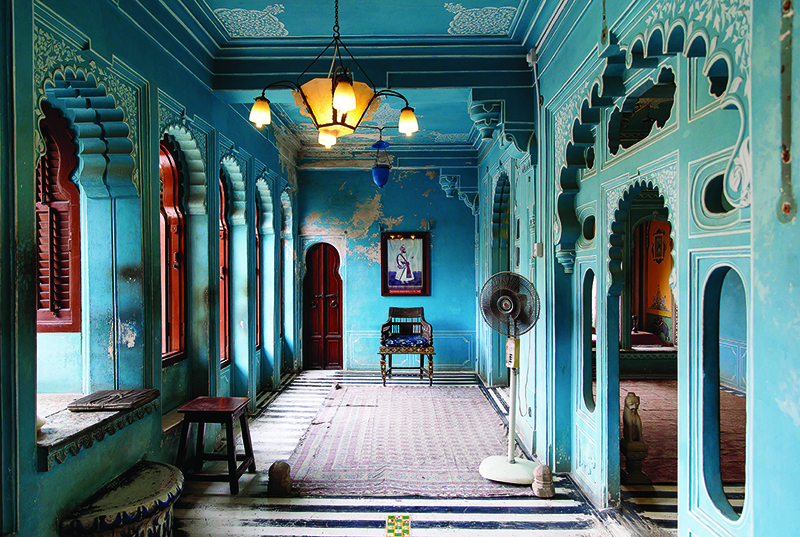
pixel 322 306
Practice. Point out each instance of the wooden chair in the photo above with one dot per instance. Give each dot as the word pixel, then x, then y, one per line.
pixel 406 332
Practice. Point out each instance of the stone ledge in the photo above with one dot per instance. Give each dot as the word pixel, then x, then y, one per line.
pixel 66 433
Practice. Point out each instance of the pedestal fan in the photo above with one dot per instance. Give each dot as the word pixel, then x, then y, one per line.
pixel 510 305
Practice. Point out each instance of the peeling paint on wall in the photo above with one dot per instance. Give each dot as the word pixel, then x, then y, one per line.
pixel 391 222
pixel 127 334
pixel 370 254
pixel 365 215
pixel 427 193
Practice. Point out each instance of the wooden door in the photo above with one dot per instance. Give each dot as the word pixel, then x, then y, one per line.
pixel 322 307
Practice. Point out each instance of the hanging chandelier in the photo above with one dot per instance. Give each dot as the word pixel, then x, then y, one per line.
pixel 336 104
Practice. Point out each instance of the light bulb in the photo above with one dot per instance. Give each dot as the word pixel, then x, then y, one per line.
pixel 408 121
pixel 344 99
pixel 327 140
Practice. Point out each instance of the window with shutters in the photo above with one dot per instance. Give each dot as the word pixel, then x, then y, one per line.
pixel 224 276
pixel 173 269
pixel 58 289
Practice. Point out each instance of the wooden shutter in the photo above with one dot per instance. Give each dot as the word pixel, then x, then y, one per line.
pixel 224 276
pixel 58 229
pixel 173 265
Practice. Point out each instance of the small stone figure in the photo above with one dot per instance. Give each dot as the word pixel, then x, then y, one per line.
pixel 632 444
pixel 280 479
pixel 543 482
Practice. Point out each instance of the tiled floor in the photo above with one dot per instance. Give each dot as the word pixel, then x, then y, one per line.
pixel 208 510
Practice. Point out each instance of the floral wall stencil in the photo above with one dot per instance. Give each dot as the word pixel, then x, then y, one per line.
pixel 251 22
pixel 729 18
pixel 480 21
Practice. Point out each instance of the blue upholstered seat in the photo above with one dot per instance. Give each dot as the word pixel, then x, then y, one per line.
pixel 406 341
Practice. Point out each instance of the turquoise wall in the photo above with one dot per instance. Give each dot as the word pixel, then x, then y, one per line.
pixel 346 209
pixel 154 91
pixel 59 365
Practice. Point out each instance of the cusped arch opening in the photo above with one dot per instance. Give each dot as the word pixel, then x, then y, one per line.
pixel 648 107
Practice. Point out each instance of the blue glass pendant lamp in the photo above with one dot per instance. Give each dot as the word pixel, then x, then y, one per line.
pixel 380 170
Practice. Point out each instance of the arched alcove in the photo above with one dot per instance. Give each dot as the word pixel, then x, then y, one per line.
pixel 98 356
pixel 589 339
pixel 723 406
pixel 265 309
pixel 288 282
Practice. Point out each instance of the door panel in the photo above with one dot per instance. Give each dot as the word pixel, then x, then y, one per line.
pixel 322 300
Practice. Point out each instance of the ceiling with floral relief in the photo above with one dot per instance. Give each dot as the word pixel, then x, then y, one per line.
pixel 433 52
pixel 395 18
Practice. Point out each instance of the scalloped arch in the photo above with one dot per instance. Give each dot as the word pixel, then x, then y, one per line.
pixel 286 212
pixel 655 40
pixel 235 178
pixel 197 185
pixel 663 37
pixel 265 206
pixel 105 152
pixel 617 235
pixel 676 37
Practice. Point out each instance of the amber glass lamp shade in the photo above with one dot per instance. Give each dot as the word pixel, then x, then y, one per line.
pixel 327 140
pixel 260 113
pixel 315 99
pixel 408 121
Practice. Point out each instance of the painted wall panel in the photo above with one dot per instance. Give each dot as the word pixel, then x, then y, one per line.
pixel 348 204
pixel 59 366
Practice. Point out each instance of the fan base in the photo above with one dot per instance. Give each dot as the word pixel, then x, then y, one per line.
pixel 497 468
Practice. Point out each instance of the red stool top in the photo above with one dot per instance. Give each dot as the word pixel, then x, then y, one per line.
pixel 215 404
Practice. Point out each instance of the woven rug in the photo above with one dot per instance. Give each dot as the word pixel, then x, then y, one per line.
pixel 659 413
pixel 401 441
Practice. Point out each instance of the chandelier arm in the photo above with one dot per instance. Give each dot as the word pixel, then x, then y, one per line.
pixel 391 93
pixel 288 84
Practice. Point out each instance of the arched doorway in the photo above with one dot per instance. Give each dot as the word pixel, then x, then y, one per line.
pixel 322 310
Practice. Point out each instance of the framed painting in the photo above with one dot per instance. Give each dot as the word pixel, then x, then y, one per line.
pixel 405 263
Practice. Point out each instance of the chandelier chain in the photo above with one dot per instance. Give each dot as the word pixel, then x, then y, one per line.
pixel 336 23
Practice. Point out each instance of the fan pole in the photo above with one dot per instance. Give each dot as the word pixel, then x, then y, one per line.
pixel 508 469
pixel 512 412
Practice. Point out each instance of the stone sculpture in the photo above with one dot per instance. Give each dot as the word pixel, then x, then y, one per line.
pixel 632 444
pixel 543 482
pixel 280 479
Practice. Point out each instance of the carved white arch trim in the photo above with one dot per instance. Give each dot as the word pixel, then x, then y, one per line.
pixel 196 180
pixel 235 178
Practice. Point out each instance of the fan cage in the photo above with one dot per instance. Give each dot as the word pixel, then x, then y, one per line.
pixel 509 304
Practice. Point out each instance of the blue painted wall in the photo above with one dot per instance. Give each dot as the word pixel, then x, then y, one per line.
pixel 345 208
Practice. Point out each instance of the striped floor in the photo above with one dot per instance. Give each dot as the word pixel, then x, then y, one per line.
pixel 208 510
pixel 658 504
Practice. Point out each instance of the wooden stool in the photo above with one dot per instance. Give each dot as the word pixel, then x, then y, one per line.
pixel 223 410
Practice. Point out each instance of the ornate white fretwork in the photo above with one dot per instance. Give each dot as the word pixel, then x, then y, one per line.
pixel 252 22
pixel 729 19
pixel 480 21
